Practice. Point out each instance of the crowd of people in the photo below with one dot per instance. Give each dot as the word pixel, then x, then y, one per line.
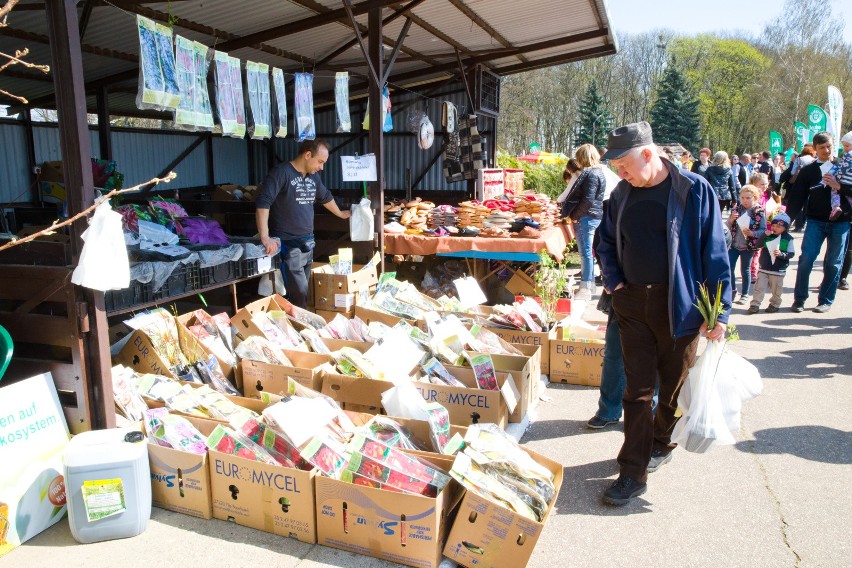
pixel 666 224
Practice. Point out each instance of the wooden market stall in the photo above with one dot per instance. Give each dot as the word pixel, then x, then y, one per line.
pixel 92 48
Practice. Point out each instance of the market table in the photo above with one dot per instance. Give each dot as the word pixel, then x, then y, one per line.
pixel 504 250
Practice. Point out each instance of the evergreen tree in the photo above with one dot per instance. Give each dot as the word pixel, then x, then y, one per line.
pixel 595 120
pixel 674 115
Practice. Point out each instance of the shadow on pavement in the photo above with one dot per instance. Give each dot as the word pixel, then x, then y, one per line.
pixel 554 429
pixel 785 328
pixel 814 443
pixel 582 490
pixel 806 364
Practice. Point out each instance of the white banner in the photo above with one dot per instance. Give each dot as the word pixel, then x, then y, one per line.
pixel 835 113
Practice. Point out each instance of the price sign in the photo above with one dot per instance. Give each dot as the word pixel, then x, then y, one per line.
pixel 359 168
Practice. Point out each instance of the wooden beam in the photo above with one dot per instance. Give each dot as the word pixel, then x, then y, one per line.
pixel 195 144
pixel 377 188
pixel 342 49
pixel 427 168
pixel 374 74
pixel 85 16
pixel 104 134
pixel 557 60
pixel 302 25
pixel 13 32
pixel 403 32
pixel 463 74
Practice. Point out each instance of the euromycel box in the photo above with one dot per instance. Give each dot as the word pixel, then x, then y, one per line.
pixel 259 376
pixel 329 287
pixel 485 534
pixel 577 361
pixel 402 528
pixel 242 319
pixel 270 498
pixel 464 405
pixel 180 481
pixel 529 338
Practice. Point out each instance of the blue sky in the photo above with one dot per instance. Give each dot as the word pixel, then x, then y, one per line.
pixel 636 16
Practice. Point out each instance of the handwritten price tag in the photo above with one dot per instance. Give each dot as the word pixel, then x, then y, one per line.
pixel 359 168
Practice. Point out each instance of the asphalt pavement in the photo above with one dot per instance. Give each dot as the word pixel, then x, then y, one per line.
pixel 778 498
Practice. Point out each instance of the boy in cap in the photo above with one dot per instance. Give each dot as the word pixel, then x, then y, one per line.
pixel 776 250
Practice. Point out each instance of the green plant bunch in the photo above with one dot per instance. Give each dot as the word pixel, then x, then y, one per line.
pixel 550 283
pixel 540 178
pixel 711 309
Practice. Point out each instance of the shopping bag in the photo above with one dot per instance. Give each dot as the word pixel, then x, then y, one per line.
pixel 361 222
pixel 103 264
pixel 712 396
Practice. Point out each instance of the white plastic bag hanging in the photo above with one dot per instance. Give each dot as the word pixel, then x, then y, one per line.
pixel 103 263
pixel 361 221
pixel 304 107
pixel 341 101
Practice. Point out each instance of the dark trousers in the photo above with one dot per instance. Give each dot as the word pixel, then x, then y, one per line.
pixel 796 210
pixel 649 350
pixel 847 261
pixel 296 269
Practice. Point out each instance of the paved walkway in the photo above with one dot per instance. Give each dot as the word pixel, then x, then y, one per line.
pixel 779 498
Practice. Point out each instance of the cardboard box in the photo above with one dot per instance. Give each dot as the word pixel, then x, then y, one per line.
pixel 464 405
pixel 529 338
pixel 577 362
pixel 368 315
pixel 258 376
pixel 180 481
pixel 270 498
pixel 525 371
pixel 336 292
pixel 328 315
pixel 242 319
pixel 486 534
pixel 232 373
pixel 521 284
pixel 402 528
pixel 139 353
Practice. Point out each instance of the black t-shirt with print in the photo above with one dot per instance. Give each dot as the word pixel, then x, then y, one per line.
pixel 290 198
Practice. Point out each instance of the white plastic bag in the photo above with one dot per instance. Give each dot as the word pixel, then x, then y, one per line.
pixel 103 263
pixel 361 222
pixel 712 396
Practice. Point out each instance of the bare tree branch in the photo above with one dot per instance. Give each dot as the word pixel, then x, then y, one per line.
pixel 17 59
pixel 5 10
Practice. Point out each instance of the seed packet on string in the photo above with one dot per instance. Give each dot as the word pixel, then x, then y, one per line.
pixel 158 88
pixel 304 104
pixel 193 112
pixel 229 95
pixel 341 100
pixel 387 120
pixel 279 102
pixel 257 83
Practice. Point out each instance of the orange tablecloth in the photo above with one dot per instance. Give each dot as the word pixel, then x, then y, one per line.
pixel 553 240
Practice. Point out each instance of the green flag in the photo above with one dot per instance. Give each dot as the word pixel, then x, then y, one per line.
pixel 817 120
pixel 803 136
pixel 788 154
pixel 776 144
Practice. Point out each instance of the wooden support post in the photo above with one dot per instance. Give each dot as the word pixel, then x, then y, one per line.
pixel 67 69
pixel 104 134
pixel 377 188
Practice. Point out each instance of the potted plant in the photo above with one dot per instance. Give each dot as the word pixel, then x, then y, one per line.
pixel 551 282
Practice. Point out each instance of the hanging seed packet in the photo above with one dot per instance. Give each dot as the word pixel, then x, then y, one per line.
pixel 229 95
pixel 341 101
pixel 158 88
pixel 304 107
pixel 257 83
pixel 279 102
pixel 194 111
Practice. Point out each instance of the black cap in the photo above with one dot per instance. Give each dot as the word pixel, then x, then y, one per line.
pixel 625 138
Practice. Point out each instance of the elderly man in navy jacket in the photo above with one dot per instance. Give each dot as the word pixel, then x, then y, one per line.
pixel 662 237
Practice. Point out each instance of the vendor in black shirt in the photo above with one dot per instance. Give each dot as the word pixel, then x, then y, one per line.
pixel 285 209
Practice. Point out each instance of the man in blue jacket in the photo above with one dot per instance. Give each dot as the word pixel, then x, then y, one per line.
pixel 662 237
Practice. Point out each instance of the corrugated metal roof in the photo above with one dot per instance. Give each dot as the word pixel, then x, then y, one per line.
pixel 438 25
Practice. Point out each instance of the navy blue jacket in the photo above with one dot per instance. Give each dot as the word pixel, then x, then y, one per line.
pixel 696 247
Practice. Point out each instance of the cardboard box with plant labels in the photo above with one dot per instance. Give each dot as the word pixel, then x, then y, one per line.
pixel 305 370
pixel 579 360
